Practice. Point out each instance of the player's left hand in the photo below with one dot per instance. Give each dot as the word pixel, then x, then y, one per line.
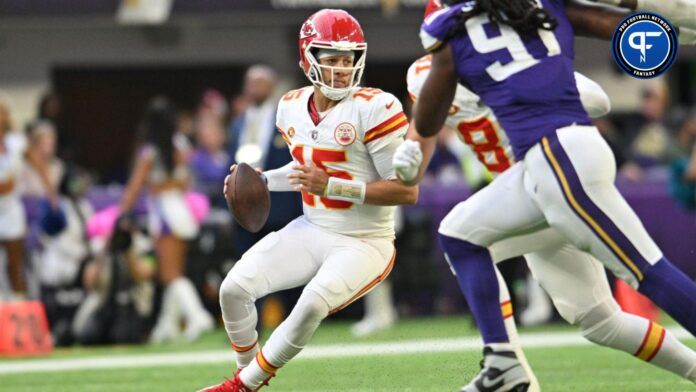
pixel 407 160
pixel 309 178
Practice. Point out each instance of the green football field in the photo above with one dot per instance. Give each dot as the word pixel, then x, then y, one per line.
pixel 437 354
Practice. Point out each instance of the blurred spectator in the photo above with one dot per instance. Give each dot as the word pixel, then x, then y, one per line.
pixel 683 170
pixel 12 216
pixel 121 289
pixel 213 104
pixel 42 141
pixel 238 105
pixel 186 125
pixel 210 162
pixel 253 139
pixel 66 251
pixel 647 135
pixel 162 168
pixel 51 109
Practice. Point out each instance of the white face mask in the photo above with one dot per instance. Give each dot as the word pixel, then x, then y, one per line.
pixel 315 74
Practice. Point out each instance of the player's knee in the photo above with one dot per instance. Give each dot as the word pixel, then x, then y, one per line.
pixel 600 323
pixel 231 293
pixel 311 308
pixel 462 222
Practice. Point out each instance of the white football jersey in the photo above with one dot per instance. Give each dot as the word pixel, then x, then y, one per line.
pixel 472 120
pixel 346 143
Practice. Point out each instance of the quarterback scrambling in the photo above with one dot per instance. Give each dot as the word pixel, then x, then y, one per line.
pixel 342 138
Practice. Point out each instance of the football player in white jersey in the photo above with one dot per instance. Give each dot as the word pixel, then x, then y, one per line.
pixel 574 279
pixel 342 138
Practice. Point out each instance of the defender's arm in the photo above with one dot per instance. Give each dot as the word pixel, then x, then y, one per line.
pixel 433 104
pixel 592 20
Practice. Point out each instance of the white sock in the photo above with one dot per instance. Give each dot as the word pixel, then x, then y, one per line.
pixel 645 340
pixel 287 340
pixel 379 303
pixel 511 329
pixel 244 338
pixel 257 372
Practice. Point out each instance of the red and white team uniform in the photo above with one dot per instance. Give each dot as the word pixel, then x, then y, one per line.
pixel 340 249
pixel 346 143
pixel 473 121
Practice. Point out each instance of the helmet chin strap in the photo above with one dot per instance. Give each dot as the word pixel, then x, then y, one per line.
pixel 334 94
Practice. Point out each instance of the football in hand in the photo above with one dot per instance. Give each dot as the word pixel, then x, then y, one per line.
pixel 248 198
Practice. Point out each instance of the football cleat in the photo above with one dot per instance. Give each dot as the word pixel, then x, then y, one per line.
pixel 500 372
pixel 229 385
pixel 233 385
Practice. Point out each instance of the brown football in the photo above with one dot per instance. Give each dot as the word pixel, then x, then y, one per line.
pixel 248 198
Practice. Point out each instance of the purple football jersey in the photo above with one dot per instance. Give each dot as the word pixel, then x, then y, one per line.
pixel 526 79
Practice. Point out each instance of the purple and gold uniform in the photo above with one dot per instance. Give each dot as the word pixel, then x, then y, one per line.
pixel 564 177
pixel 527 80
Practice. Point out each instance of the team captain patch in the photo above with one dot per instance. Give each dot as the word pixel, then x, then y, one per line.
pixel 345 134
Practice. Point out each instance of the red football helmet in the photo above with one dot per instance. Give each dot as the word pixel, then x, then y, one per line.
pixel 334 30
pixel 432 6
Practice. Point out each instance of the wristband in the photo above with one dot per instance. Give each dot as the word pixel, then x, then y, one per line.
pixel 346 190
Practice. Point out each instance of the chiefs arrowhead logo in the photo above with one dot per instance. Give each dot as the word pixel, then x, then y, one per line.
pixel 308 30
pixel 345 134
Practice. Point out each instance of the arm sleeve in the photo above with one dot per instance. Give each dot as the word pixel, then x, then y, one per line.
pixel 382 159
pixel 277 179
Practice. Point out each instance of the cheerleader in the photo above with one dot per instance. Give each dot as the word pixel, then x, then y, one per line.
pixel 161 167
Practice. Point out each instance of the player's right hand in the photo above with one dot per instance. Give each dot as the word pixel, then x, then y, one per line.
pixel 234 166
pixel 407 160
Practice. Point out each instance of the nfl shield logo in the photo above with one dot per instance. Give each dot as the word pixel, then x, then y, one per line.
pixel 314 134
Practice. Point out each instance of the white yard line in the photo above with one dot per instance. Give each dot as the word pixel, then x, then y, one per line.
pixel 529 340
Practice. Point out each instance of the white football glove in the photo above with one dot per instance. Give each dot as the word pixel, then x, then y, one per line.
pixel 687 36
pixel 407 160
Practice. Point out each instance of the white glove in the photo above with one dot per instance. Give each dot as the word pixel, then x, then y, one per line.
pixel 407 160
pixel 687 36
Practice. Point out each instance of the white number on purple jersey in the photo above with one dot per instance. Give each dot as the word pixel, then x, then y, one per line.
pixel 510 40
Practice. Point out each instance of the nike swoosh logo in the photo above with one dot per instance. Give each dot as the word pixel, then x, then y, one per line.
pixel 493 382
pixel 389 105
